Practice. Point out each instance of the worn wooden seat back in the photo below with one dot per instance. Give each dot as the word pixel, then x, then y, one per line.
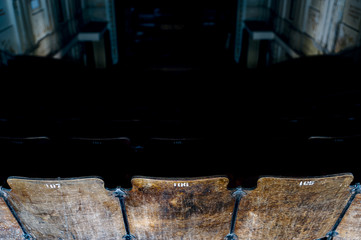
pixel 293 208
pixel 350 226
pixel 179 208
pixel 66 209
pixel 9 227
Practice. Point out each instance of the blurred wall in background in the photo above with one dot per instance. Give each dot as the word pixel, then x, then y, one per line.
pixel 292 28
pixel 50 28
pixel 300 27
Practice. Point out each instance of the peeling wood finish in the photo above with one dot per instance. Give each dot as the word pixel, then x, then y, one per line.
pixel 197 209
pixel 9 227
pixel 66 208
pixel 180 209
pixel 350 226
pixel 293 208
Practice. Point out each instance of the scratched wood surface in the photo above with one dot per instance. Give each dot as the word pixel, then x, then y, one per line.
pixel 66 208
pixel 179 208
pixel 350 226
pixel 292 208
pixel 9 227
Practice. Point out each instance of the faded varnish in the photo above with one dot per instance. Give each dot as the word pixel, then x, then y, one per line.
pixel 293 208
pixel 350 226
pixel 9 227
pixel 197 209
pixel 66 209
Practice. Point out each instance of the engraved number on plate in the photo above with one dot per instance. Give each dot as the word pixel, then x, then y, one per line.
pixel 307 183
pixel 183 184
pixel 57 185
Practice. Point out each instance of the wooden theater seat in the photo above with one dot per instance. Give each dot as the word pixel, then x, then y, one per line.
pixel 293 208
pixel 350 226
pixel 195 208
pixel 9 227
pixel 78 208
pixel 166 141
pixel 24 140
pixel 120 141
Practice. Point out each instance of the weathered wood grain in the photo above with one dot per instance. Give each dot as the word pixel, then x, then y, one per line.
pixel 292 208
pixel 350 226
pixel 66 208
pixel 9 227
pixel 197 209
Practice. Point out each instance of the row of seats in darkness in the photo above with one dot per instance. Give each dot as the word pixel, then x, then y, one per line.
pixel 249 122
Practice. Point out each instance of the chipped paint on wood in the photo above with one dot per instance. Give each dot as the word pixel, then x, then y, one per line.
pixel 293 208
pixel 193 208
pixel 350 226
pixel 9 227
pixel 180 208
pixel 66 209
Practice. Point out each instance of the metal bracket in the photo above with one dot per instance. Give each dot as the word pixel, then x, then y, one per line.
pixel 120 194
pixel 4 195
pixel 231 236
pixel 238 195
pixel 129 237
pixel 27 236
pixel 356 189
pixel 331 234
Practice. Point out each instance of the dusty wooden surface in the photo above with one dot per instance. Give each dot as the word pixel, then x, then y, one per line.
pixel 9 227
pixel 292 208
pixel 180 209
pixel 66 209
pixel 350 226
